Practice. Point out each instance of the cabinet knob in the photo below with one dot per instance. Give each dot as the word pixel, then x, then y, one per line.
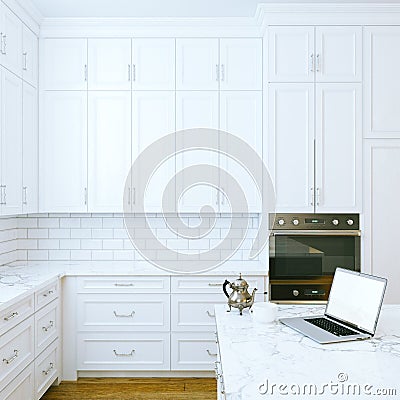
pixel 295 292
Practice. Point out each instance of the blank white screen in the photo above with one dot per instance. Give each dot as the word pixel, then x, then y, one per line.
pixel 356 299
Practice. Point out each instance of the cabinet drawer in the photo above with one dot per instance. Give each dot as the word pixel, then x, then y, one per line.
pixel 46 325
pixel 16 313
pixel 46 369
pixel 16 351
pixel 210 284
pixel 193 351
pixel 22 387
pixel 123 351
pixel 46 295
pixel 123 284
pixel 123 312
pixel 194 312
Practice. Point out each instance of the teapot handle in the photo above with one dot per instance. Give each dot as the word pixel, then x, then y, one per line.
pixel 226 283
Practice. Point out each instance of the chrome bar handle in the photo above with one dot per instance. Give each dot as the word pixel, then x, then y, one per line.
pixel 124 284
pixel 4 44
pixel 49 292
pixel 134 72
pixel 86 73
pixel 312 197
pixel 124 354
pixel 124 315
pixel 25 62
pixel 11 316
pixel 1 42
pixel 11 359
pixel 217 72
pixel 215 284
pixel 211 354
pixel 318 196
pixel 48 327
pixel 24 195
pixel 210 314
pixel 318 64
pixel 312 63
pixel 222 72
pixel 85 195
pixel 47 371
pixel 129 72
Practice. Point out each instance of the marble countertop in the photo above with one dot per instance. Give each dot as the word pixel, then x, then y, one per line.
pixel 20 279
pixel 255 356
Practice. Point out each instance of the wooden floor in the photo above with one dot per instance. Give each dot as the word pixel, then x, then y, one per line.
pixel 135 389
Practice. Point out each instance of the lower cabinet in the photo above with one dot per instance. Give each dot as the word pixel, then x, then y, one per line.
pixel 22 387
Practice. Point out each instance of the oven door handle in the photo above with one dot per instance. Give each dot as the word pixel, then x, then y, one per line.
pixel 316 233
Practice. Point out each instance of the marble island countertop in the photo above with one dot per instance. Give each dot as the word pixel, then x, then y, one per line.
pixel 260 361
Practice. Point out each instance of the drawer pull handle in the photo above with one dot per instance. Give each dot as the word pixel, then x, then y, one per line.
pixel 50 292
pixel 124 315
pixel 210 315
pixel 11 359
pixel 47 371
pixel 48 327
pixel 11 316
pixel 215 284
pixel 124 354
pixel 211 354
pixel 124 284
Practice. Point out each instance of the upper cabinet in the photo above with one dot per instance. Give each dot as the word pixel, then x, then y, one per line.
pixel 382 81
pixel 321 54
pixel 109 64
pixel 30 62
pixel 153 64
pixel 64 64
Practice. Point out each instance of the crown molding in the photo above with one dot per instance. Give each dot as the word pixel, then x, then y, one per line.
pixel 27 12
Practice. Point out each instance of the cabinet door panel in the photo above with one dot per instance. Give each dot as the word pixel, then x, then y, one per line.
pixel 241 64
pixel 30 57
pixel 241 115
pixel 11 142
pixel 291 130
pixel 382 81
pixel 290 54
pixel 63 159
pixel 153 64
pixel 30 138
pixel 109 63
pixel 338 53
pixel 338 151
pixel 153 117
pixel 196 110
pixel 109 128
pixel 64 64
pixel 197 64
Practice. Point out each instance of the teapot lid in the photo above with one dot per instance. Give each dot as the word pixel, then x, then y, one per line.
pixel 240 282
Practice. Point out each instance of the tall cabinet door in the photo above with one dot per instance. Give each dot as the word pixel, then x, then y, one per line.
pixel 291 55
pixel 196 109
pixel 63 152
pixel 197 64
pixel 30 57
pixel 30 138
pixel 241 64
pixel 338 52
pixel 291 144
pixel 109 127
pixel 338 147
pixel 153 64
pixel 64 64
pixel 109 62
pixel 11 142
pixel 241 115
pixel 147 130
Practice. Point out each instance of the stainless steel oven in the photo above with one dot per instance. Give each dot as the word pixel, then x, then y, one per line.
pixel 304 252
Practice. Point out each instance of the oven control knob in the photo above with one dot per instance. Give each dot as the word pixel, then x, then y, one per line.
pixel 295 292
pixel 281 222
pixel 335 222
pixel 295 222
pixel 350 222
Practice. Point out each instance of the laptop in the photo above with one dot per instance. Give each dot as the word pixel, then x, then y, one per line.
pixel 352 312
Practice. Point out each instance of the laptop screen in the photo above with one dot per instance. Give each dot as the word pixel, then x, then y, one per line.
pixel 356 298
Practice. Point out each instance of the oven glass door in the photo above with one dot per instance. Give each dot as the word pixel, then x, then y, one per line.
pixel 302 256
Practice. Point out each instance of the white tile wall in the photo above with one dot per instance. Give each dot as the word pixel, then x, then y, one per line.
pixel 9 234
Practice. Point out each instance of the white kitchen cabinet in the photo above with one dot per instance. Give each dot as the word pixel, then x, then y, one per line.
pixel 241 64
pixel 109 149
pixel 30 57
pixel 381 195
pixel 338 147
pixel 109 64
pixel 196 109
pixel 197 64
pixel 153 64
pixel 30 143
pixel 11 143
pixel 147 129
pixel 241 115
pixel 291 145
pixel 11 40
pixel 381 81
pixel 22 387
pixel 63 152
pixel 65 65
pixel 321 54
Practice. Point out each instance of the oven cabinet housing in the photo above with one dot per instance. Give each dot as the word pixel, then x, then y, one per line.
pixel 315 116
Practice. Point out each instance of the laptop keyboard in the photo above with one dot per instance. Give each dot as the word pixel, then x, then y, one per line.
pixel 331 326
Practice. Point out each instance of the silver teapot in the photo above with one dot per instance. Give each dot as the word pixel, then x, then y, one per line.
pixel 239 298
